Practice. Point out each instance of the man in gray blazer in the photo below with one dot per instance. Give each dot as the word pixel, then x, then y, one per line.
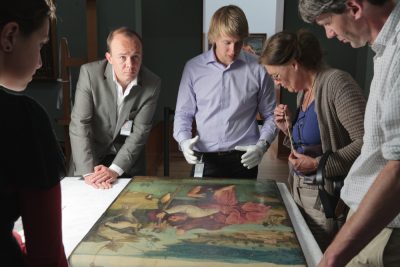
pixel 115 101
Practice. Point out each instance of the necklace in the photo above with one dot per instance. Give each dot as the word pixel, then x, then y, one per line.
pixel 290 135
pixel 308 99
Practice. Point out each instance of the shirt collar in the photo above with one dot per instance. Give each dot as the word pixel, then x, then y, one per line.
pixel 211 58
pixel 391 25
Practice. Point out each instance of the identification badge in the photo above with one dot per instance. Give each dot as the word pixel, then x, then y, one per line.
pixel 199 168
pixel 126 128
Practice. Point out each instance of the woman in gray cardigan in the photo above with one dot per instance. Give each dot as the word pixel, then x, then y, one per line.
pixel 329 117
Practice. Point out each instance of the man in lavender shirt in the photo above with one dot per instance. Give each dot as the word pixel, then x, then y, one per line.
pixel 222 90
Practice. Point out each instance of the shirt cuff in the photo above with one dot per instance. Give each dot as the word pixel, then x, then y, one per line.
pixel 117 169
pixel 263 144
pixel 182 137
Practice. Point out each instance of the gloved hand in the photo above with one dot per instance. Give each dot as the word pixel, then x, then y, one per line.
pixel 187 149
pixel 254 153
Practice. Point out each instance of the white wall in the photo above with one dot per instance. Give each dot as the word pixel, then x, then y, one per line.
pixel 263 16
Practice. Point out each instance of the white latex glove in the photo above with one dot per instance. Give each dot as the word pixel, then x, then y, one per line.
pixel 187 149
pixel 254 153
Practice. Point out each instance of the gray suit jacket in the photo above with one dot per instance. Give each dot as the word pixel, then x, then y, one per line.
pixel 95 126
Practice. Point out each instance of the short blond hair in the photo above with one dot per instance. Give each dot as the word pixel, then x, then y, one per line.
pixel 229 20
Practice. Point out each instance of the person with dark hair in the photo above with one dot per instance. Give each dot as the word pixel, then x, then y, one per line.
pixel 223 89
pixel 329 117
pixel 115 102
pixel 31 161
pixel 371 234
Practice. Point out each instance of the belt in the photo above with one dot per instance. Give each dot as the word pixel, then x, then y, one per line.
pixel 221 153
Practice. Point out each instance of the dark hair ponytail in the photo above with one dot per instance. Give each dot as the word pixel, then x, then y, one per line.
pixel 285 46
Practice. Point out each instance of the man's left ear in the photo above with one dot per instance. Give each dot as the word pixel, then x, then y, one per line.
pixel 108 57
pixel 356 8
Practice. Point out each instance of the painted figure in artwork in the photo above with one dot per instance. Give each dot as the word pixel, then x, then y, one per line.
pixel 167 222
pixel 221 209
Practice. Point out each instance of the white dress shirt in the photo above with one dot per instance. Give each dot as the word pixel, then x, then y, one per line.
pixel 121 94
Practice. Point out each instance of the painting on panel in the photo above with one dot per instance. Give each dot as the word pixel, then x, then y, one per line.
pixel 254 43
pixel 192 222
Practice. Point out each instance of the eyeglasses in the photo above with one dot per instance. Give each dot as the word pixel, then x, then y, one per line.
pixel 276 77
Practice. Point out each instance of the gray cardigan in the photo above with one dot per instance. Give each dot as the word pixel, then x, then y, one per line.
pixel 340 107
